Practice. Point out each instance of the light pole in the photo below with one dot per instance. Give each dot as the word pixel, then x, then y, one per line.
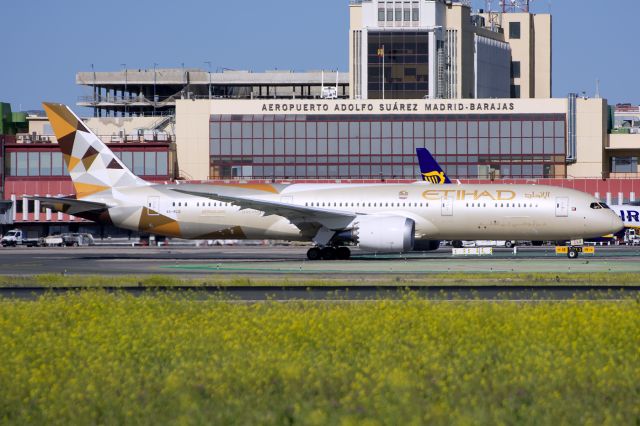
pixel 209 63
pixel 95 109
pixel 184 83
pixel 125 88
pixel 154 88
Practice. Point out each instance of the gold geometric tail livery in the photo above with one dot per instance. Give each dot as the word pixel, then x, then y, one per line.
pixel 92 166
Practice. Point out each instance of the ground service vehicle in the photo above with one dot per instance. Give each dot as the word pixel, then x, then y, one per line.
pixel 77 239
pixel 16 237
pixel 631 237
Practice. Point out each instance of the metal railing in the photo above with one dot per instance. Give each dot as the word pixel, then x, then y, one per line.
pixel 24 138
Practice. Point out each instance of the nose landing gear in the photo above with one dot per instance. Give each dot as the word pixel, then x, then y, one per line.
pixel 573 252
pixel 329 253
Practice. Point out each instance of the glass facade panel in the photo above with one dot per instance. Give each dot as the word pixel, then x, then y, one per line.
pixel 375 146
pixel 624 164
pixel 34 163
pixel 150 163
pixel 138 163
pixel 162 159
pixel 405 55
pixel 57 164
pixel 45 164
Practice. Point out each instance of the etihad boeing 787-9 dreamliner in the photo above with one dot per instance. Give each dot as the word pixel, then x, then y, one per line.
pixel 375 217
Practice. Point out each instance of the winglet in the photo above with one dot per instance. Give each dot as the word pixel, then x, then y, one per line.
pixel 430 170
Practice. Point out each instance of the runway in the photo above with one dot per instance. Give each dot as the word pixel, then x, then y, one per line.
pixel 291 260
pixel 360 293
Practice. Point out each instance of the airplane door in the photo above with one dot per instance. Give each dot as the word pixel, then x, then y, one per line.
pixel 153 204
pixel 447 206
pixel 562 207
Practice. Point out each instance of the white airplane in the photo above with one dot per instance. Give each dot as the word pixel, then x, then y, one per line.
pixel 375 217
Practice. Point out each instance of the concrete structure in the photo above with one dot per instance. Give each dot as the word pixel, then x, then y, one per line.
pixel 623 148
pixel 529 36
pixel 153 92
pixel 373 139
pixel 439 49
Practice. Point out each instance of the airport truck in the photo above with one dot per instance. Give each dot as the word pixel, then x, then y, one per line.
pixel 631 237
pixel 17 237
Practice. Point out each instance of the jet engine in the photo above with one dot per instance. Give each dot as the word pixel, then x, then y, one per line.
pixel 386 233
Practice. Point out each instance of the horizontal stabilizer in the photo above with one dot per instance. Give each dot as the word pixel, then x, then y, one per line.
pixel 70 205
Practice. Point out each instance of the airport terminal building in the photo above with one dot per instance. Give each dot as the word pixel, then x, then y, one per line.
pixel 374 139
pixel 569 142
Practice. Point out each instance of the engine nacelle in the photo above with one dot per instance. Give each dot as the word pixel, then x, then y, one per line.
pixel 384 233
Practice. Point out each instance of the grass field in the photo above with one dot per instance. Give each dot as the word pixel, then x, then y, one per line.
pixel 94 358
pixel 445 279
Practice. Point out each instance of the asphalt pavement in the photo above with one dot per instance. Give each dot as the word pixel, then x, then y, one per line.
pixel 288 260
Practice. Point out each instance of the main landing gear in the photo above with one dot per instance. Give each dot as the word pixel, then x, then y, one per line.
pixel 329 253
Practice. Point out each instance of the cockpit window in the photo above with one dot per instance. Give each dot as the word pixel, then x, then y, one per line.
pixel 597 206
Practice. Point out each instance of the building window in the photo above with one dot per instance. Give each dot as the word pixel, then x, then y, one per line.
pixel 379 146
pixel 138 163
pixel 381 14
pixel 624 164
pixel 22 168
pixel 415 14
pixel 515 91
pixel 407 15
pixel 398 14
pixel 514 30
pixel 58 167
pixel 390 15
pixel 515 69
pixel 406 64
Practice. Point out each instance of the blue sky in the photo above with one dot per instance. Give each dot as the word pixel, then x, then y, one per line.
pixel 46 42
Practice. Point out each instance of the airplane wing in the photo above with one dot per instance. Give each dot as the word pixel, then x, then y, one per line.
pixel 298 215
pixel 70 205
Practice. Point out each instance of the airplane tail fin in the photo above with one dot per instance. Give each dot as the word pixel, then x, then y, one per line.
pixel 429 168
pixel 93 167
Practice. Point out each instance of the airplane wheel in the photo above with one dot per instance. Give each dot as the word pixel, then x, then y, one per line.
pixel 313 253
pixel 508 244
pixel 456 244
pixel 343 253
pixel 572 253
pixel 328 253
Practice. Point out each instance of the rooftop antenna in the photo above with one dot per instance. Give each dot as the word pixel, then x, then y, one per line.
pixel 494 17
pixel 597 94
pixel 514 6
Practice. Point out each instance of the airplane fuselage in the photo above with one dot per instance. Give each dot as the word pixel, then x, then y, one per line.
pixel 439 211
